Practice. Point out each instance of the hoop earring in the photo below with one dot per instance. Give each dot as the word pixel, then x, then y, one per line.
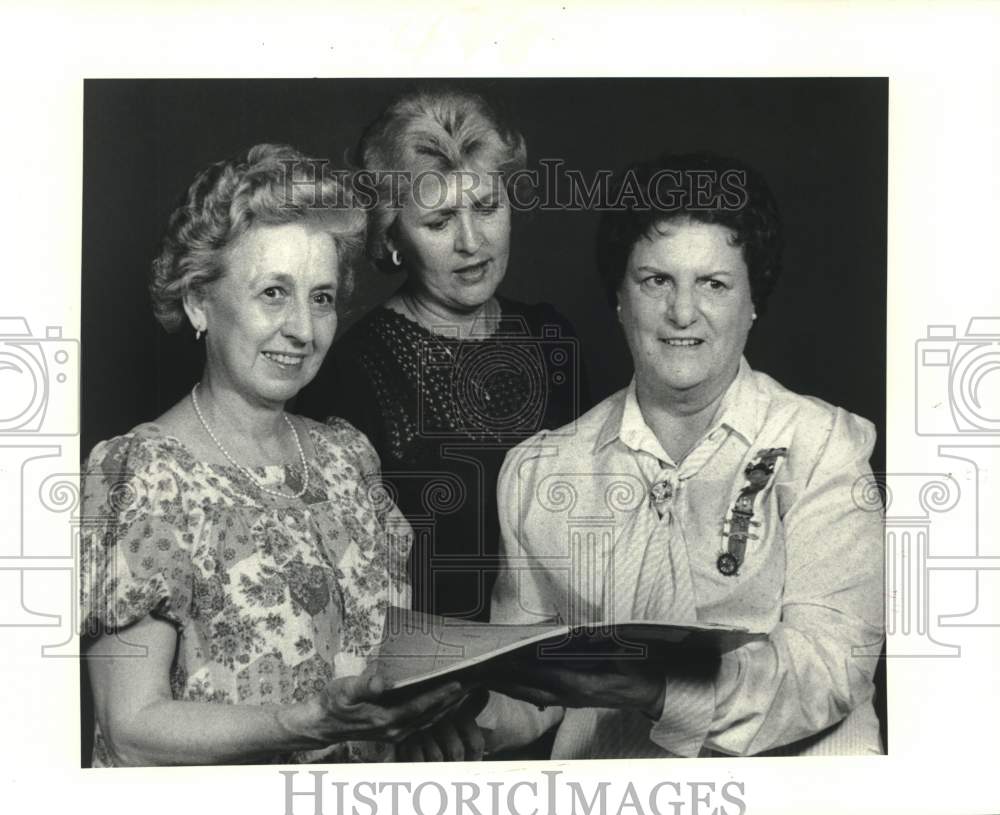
pixel 397 259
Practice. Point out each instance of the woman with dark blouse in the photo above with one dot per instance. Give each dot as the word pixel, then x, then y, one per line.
pixel 445 376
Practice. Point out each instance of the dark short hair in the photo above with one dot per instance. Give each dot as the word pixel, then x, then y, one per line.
pixel 270 184
pixel 432 128
pixel 701 187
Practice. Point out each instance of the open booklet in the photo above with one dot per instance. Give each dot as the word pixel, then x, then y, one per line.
pixel 419 649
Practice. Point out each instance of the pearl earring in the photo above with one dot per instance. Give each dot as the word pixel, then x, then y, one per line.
pixel 197 334
pixel 397 259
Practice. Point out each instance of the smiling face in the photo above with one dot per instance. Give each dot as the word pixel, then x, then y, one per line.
pixel 686 310
pixel 270 317
pixel 454 236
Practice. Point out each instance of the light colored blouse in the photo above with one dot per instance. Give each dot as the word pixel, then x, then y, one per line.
pixel 271 597
pixel 584 541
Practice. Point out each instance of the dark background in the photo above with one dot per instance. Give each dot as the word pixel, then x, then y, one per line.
pixel 821 143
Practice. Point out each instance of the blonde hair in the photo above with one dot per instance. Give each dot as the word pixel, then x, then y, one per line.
pixel 442 130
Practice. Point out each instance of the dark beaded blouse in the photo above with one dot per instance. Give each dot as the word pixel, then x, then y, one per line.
pixel 442 414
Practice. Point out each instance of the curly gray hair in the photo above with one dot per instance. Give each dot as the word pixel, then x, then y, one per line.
pixel 272 184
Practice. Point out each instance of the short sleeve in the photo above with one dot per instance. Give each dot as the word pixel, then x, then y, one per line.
pixel 134 551
pixel 356 449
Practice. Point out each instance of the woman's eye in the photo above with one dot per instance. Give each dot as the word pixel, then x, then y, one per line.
pixel 323 299
pixel 438 225
pixel 488 209
pixel 654 285
pixel 717 285
pixel 273 292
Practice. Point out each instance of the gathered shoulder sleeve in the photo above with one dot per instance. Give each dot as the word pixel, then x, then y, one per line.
pixel 135 544
pixel 352 444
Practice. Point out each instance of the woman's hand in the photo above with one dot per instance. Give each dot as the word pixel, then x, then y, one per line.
pixel 144 726
pixel 608 683
pixel 352 708
pixel 456 737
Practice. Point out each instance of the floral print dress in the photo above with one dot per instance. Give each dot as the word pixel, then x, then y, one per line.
pixel 271 597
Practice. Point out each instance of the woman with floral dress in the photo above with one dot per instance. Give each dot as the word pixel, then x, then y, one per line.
pixel 237 561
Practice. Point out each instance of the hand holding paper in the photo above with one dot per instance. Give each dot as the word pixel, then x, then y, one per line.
pixel 606 682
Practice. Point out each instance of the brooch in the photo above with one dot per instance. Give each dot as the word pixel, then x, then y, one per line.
pixel 758 472
pixel 659 494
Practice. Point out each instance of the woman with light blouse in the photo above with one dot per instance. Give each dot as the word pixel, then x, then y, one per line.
pixel 702 492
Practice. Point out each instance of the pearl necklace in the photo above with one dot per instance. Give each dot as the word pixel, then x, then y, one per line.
pixel 246 470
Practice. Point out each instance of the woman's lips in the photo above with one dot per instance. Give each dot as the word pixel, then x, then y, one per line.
pixel 474 269
pixel 474 273
pixel 681 342
pixel 283 360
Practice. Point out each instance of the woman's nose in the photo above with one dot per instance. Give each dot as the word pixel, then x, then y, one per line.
pixel 469 237
pixel 681 307
pixel 299 323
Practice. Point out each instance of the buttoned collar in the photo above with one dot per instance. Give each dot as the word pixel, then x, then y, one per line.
pixel 741 411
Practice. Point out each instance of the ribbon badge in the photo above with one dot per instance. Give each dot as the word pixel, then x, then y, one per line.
pixel 736 529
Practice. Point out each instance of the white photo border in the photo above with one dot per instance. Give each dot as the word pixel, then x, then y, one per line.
pixel 944 170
